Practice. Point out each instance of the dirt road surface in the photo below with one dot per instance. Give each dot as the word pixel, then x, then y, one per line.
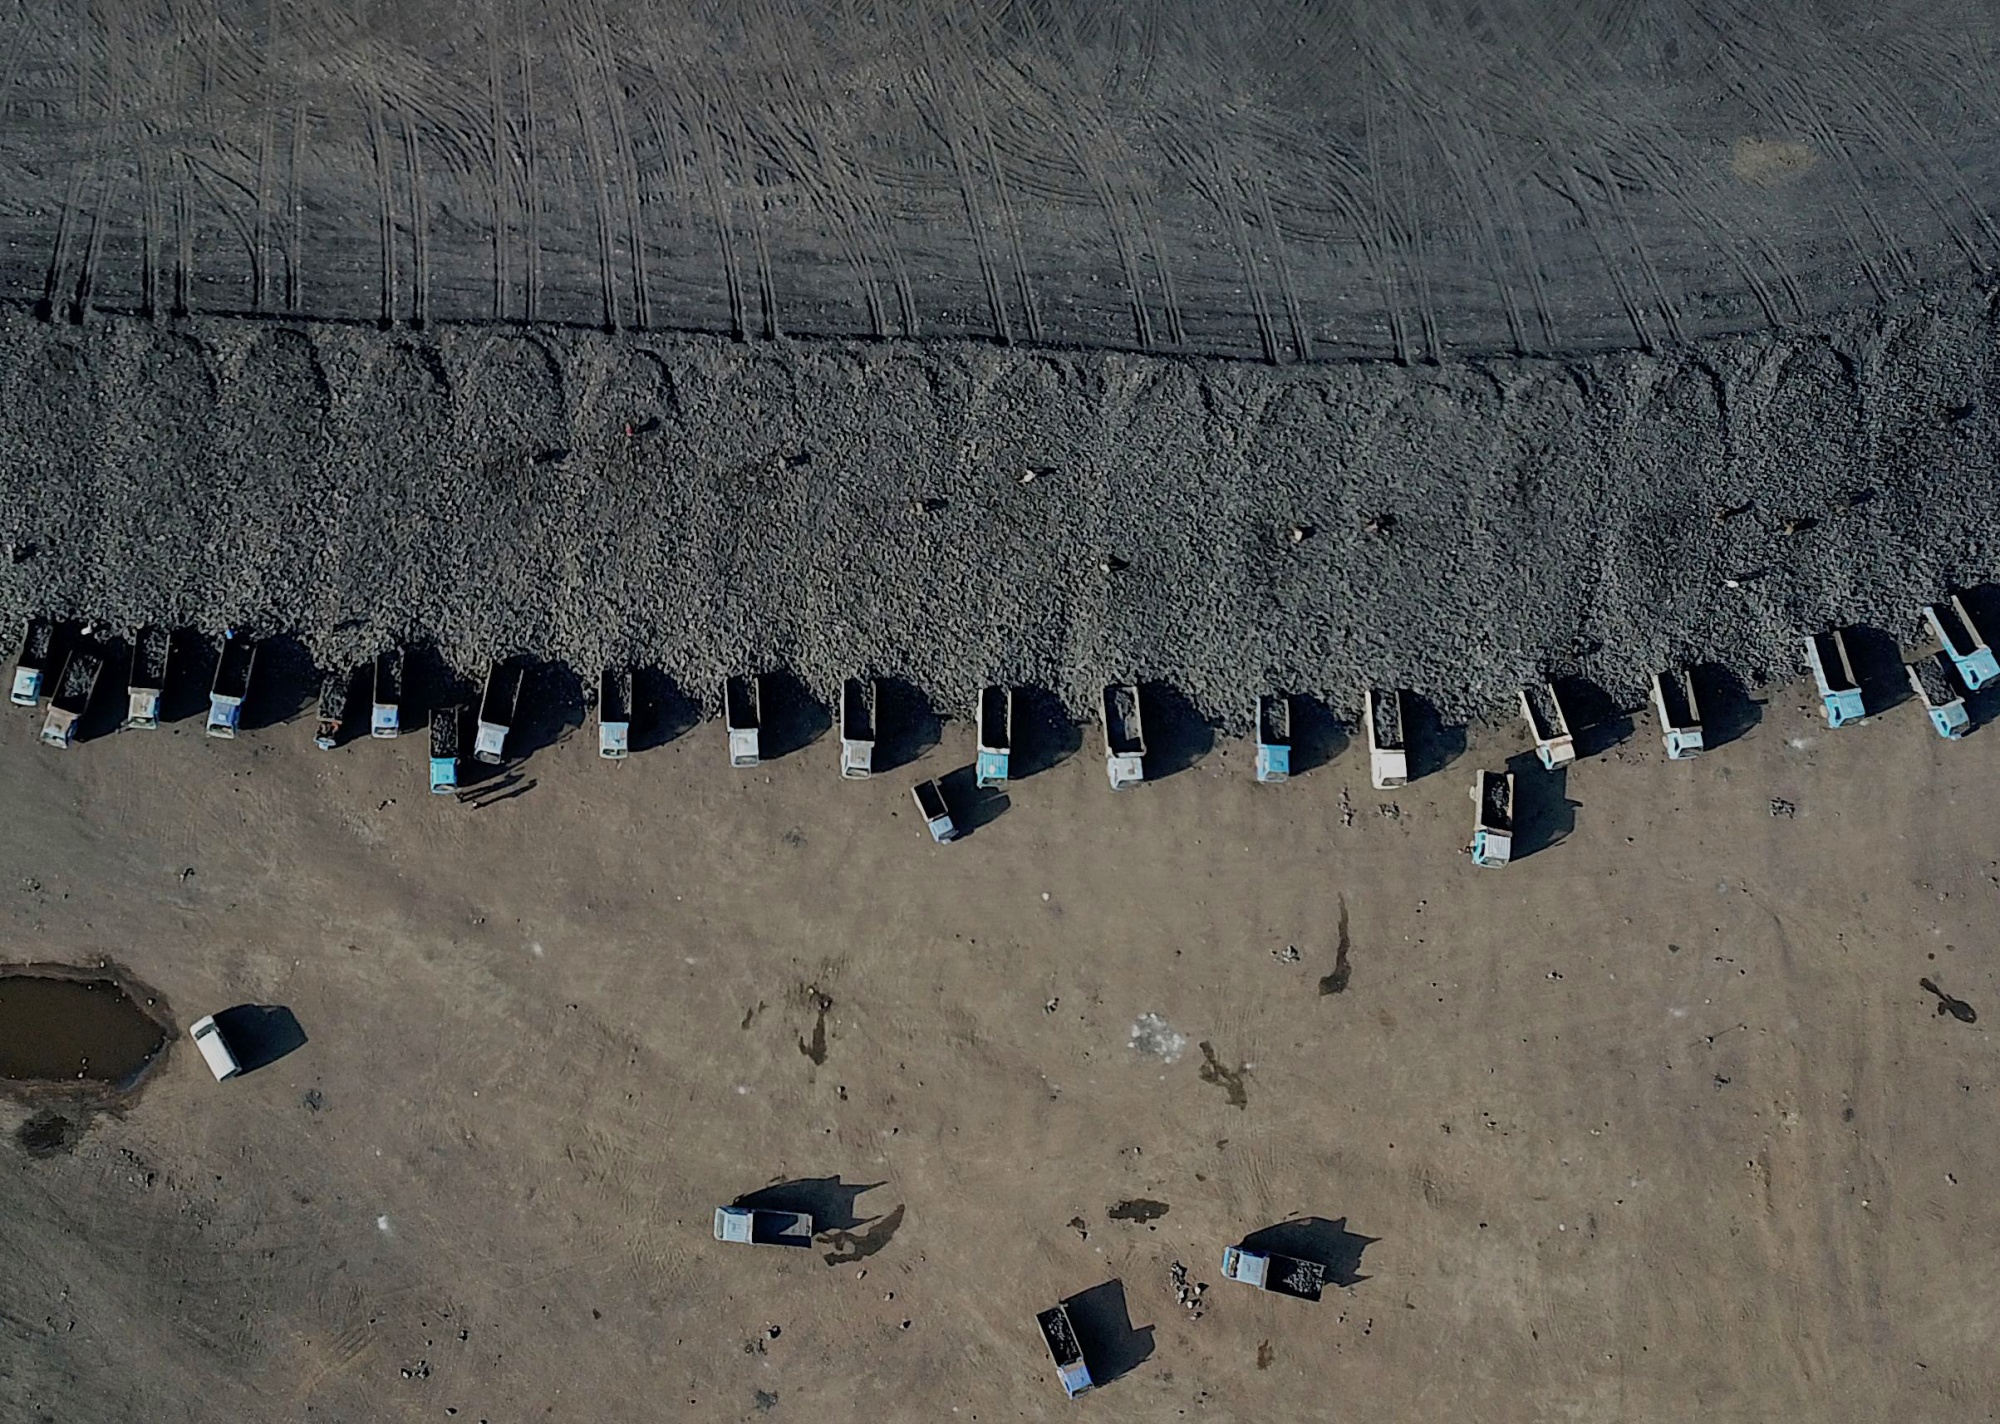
pixel 1656 1122
pixel 1306 181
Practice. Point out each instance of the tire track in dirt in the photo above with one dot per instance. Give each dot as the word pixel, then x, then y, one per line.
pixel 596 175
pixel 844 190
pixel 499 150
pixel 710 159
pixel 378 146
pixel 1072 120
pixel 939 111
pixel 971 82
pixel 1222 189
pixel 1757 87
pixel 595 42
pixel 420 257
pixel 532 186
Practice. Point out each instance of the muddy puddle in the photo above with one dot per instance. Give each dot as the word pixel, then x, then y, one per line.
pixel 63 1025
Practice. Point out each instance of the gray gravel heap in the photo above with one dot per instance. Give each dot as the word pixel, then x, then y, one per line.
pixel 958 513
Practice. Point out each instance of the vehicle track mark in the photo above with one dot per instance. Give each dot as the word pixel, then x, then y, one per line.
pixel 499 151
pixel 378 146
pixel 1295 314
pixel 1413 227
pixel 842 188
pixel 945 124
pixel 1392 256
pixel 710 160
pixel 1064 109
pixel 970 89
pixel 267 142
pixel 531 187
pixel 603 54
pixel 607 270
pixel 420 256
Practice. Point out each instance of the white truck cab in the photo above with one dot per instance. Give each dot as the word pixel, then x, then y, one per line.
pixel 215 1050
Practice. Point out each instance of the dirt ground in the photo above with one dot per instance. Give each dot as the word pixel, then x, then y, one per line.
pixel 1305 182
pixel 1656 1122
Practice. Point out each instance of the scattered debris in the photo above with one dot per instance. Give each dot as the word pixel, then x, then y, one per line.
pixel 1781 807
pixel 1187 1295
pixel 1154 1035
pixel 1288 955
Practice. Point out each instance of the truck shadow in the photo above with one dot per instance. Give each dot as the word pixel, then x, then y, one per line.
pixel 105 713
pixel 1324 1242
pixel 1728 711
pixel 792 718
pixel 661 712
pixel 827 1200
pixel 1598 722
pixel 282 684
pixel 971 804
pixel 1177 736
pixel 1878 668
pixel 909 726
pixel 190 670
pixel 1317 735
pixel 1111 1346
pixel 1432 744
pixel 551 706
pixel 1046 737
pixel 1543 813
pixel 260 1034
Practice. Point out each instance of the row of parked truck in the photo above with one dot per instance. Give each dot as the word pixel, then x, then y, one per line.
pixel 1258 1269
pixel 1962 662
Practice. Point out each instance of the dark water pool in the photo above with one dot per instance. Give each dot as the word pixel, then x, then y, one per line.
pixel 55 1029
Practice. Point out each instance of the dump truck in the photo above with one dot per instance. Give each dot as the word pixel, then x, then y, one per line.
pixel 152 650
pixel 333 690
pixel 1274 737
pixel 496 712
pixel 1932 678
pixel 742 716
pixel 1680 714
pixel 1554 744
pixel 1124 736
pixel 929 796
pixel 1839 693
pixel 1059 1334
pixel 232 684
pixel 445 724
pixel 215 1050
pixel 73 691
pixel 38 650
pixel 1963 643
pixel 996 736
pixel 1388 749
pixel 614 713
pixel 1493 818
pixel 385 707
pixel 1268 1271
pixel 761 1227
pixel 859 699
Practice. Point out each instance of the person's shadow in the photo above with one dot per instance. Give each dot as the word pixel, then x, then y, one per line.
pixel 1111 1346
pixel 260 1034
pixel 1324 1242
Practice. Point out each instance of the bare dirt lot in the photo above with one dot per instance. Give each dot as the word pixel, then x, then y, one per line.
pixel 1657 1122
pixel 1300 181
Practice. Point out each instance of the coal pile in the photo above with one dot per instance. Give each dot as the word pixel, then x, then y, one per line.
pixel 706 507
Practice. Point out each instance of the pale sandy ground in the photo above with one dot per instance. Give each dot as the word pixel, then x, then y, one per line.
pixel 1655 1125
